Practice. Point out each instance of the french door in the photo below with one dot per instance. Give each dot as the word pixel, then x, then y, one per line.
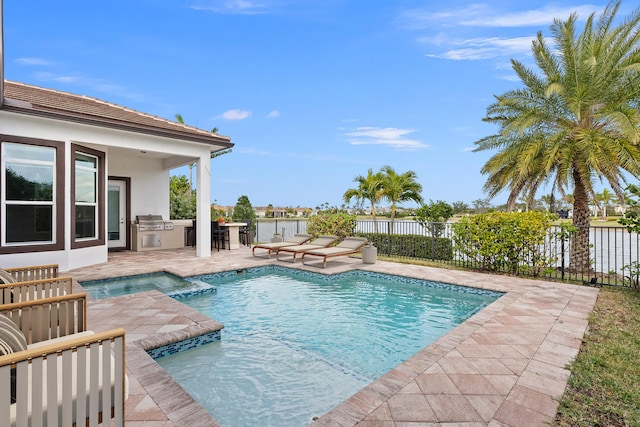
pixel 117 214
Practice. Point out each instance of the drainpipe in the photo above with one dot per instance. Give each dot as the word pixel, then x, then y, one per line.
pixel 1 53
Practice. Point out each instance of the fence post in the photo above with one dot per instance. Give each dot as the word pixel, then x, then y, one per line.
pixel 562 255
pixel 389 238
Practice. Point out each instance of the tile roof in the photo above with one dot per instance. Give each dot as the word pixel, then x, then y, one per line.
pixel 79 108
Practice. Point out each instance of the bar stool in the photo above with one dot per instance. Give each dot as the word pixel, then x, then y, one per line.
pixel 219 235
pixel 246 234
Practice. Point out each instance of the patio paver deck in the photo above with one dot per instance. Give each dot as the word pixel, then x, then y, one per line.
pixel 505 366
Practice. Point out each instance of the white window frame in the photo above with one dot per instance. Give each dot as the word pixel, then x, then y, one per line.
pixel 5 202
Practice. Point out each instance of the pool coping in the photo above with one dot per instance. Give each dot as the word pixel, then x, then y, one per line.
pixel 506 365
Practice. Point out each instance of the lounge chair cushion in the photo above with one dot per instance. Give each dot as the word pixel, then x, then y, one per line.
pixel 352 243
pixel 299 238
pixel 5 277
pixel 12 340
pixel 323 240
pixel 11 337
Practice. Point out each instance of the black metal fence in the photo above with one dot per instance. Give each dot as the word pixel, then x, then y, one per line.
pixel 613 250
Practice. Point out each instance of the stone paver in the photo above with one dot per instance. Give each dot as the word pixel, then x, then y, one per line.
pixel 505 366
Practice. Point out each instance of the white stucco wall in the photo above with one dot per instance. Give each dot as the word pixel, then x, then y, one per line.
pixel 125 157
pixel 149 183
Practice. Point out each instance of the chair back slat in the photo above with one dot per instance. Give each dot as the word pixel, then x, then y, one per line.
pixel 35 289
pixel 72 383
pixel 36 272
pixel 48 318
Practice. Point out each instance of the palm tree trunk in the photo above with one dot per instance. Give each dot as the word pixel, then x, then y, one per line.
pixel 373 214
pixel 579 261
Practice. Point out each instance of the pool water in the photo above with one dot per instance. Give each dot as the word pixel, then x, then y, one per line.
pixel 297 344
pixel 163 282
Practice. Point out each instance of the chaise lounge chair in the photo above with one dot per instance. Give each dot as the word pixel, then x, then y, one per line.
pixel 319 243
pixel 297 239
pixel 33 272
pixel 31 283
pixel 350 245
pixel 55 372
pixel 29 290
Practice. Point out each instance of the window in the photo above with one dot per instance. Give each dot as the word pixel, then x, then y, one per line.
pixel 88 199
pixel 32 195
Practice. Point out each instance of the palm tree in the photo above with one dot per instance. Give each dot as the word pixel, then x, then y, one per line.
pixel 398 188
pixel 605 197
pixel 369 188
pixel 575 121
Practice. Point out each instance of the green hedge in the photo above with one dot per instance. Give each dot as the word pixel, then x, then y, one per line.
pixel 411 245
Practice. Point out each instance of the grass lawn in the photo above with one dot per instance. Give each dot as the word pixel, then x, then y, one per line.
pixel 604 387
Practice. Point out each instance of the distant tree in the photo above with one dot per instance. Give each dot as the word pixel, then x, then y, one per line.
pixel 548 202
pixel 268 213
pixel 399 188
pixel 370 189
pixel 243 211
pixel 481 205
pixel 182 199
pixel 460 207
pixel 605 198
pixel 433 216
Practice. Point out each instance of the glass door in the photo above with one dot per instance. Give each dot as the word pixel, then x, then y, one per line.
pixel 117 213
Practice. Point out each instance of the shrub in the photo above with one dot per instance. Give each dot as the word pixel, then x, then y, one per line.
pixel 411 245
pixel 339 224
pixel 432 217
pixel 500 241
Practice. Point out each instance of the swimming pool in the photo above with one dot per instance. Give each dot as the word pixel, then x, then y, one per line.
pixel 296 344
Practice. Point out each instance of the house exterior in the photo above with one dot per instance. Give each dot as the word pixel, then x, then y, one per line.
pixel 75 172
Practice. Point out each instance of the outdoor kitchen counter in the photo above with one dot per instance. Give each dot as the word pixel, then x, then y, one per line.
pixel 234 233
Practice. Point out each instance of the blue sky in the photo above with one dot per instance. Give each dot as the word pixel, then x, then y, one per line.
pixel 312 92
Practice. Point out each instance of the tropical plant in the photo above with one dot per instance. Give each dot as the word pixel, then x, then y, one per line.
pixel 399 188
pixel 631 218
pixel 549 202
pixel 370 189
pixel 574 122
pixel 182 199
pixel 605 198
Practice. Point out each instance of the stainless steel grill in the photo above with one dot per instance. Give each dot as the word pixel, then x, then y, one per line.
pixel 153 223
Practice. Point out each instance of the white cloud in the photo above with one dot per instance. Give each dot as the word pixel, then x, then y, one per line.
pixel 481 15
pixel 529 18
pixel 235 115
pixel 448 30
pixel 93 84
pixel 273 114
pixel 392 137
pixel 32 61
pixel 467 149
pixel 233 7
pixel 486 48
